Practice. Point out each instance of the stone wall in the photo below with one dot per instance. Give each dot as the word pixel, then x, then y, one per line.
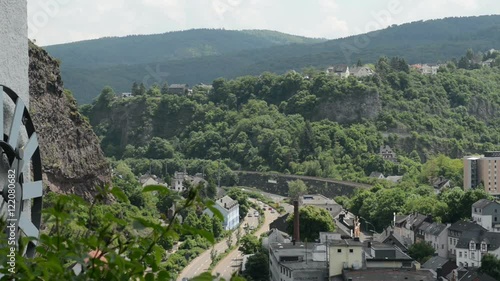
pixel 278 184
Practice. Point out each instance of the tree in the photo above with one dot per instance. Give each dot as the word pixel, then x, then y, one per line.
pixel 491 266
pixel 358 64
pixel 217 227
pixel 213 254
pixel 421 251
pixel 229 240
pixel 135 89
pixel 313 220
pixel 257 267
pixel 164 88
pixel 238 235
pixel 250 244
pixel 296 189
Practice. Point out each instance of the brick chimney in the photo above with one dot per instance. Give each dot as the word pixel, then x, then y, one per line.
pixel 296 223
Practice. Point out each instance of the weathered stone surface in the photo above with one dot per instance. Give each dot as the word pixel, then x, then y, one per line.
pixel 73 162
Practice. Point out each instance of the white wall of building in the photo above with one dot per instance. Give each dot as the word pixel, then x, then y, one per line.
pixel 484 221
pixel 14 59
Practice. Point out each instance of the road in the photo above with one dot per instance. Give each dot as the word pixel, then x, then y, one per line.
pixel 203 261
pixel 232 262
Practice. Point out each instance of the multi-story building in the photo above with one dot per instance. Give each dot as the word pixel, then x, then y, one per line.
pixel 345 254
pixel 407 226
pixel 298 261
pixel 436 235
pixel 230 210
pixel 455 232
pixel 177 183
pixel 323 202
pixel 487 214
pixel 473 245
pixel 483 170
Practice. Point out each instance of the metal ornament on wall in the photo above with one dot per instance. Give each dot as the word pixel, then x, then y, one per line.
pixel 20 172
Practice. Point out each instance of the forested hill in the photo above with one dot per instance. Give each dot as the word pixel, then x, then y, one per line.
pixel 424 41
pixel 309 123
pixel 138 49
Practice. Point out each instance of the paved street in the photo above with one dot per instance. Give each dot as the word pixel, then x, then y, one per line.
pixel 202 262
pixel 232 262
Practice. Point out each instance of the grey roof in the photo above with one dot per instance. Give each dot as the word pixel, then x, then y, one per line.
pixel 376 174
pixel 465 226
pixel 385 252
pixel 388 234
pixel 482 203
pixel 347 242
pixel 416 219
pixel 435 228
pixel 435 262
pixel 276 236
pixel 473 275
pixel 226 202
pixel 492 239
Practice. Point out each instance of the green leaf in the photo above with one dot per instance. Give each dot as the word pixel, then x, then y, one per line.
pixel 118 193
pixel 210 205
pixel 203 233
pixel 159 188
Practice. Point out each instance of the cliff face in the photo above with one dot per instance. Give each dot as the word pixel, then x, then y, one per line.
pixel 73 162
pixel 350 108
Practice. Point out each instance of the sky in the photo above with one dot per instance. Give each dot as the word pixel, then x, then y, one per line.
pixel 60 21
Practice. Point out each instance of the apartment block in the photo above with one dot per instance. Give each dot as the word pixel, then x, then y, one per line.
pixel 485 170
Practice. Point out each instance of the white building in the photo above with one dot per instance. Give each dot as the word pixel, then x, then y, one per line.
pixel 473 245
pixel 487 214
pixel 178 185
pixel 456 231
pixel 230 210
pixel 436 235
pixel 298 261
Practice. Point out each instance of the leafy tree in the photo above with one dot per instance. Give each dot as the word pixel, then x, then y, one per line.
pixel 313 220
pixel 257 267
pixel 296 189
pixel 217 227
pixel 491 266
pixel 250 244
pixel 421 251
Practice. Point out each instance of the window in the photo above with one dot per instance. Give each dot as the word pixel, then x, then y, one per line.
pixel 460 254
pixel 465 254
pixel 339 250
pixel 442 246
pixel 472 264
pixel 473 256
pixel 483 247
pixel 351 251
pixel 472 245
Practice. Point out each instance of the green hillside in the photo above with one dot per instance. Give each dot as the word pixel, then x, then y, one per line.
pixel 423 41
pixel 137 49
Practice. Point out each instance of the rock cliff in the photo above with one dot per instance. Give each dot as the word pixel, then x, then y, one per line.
pixel 73 162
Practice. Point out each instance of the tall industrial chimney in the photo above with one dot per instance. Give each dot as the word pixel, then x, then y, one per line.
pixel 296 224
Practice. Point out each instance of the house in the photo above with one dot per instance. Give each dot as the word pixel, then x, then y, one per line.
pixel 341 70
pixel 487 214
pixel 427 69
pixel 389 237
pixel 488 62
pixel 179 178
pixel 347 225
pixel 362 71
pixel 473 245
pixel 469 274
pixel 441 183
pixel 380 255
pixel 178 89
pixel 298 261
pixel 388 154
pixel 323 202
pixel 275 236
pixel 148 179
pixel 126 95
pixel 394 179
pixel 230 210
pixel 377 175
pixel 345 253
pixel 407 226
pixel 455 232
pixel 436 235
pixel 442 266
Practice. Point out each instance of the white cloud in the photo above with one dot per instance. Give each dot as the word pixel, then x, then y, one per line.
pixel 57 21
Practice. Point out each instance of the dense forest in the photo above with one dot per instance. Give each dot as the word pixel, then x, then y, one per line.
pixel 418 42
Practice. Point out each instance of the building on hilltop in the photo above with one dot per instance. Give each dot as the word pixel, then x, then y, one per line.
pixel 341 70
pixel 487 214
pixel 178 89
pixel 230 210
pixel 179 178
pixel 361 71
pixel 483 170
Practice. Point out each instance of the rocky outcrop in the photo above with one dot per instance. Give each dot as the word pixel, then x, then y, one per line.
pixel 73 162
pixel 350 108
